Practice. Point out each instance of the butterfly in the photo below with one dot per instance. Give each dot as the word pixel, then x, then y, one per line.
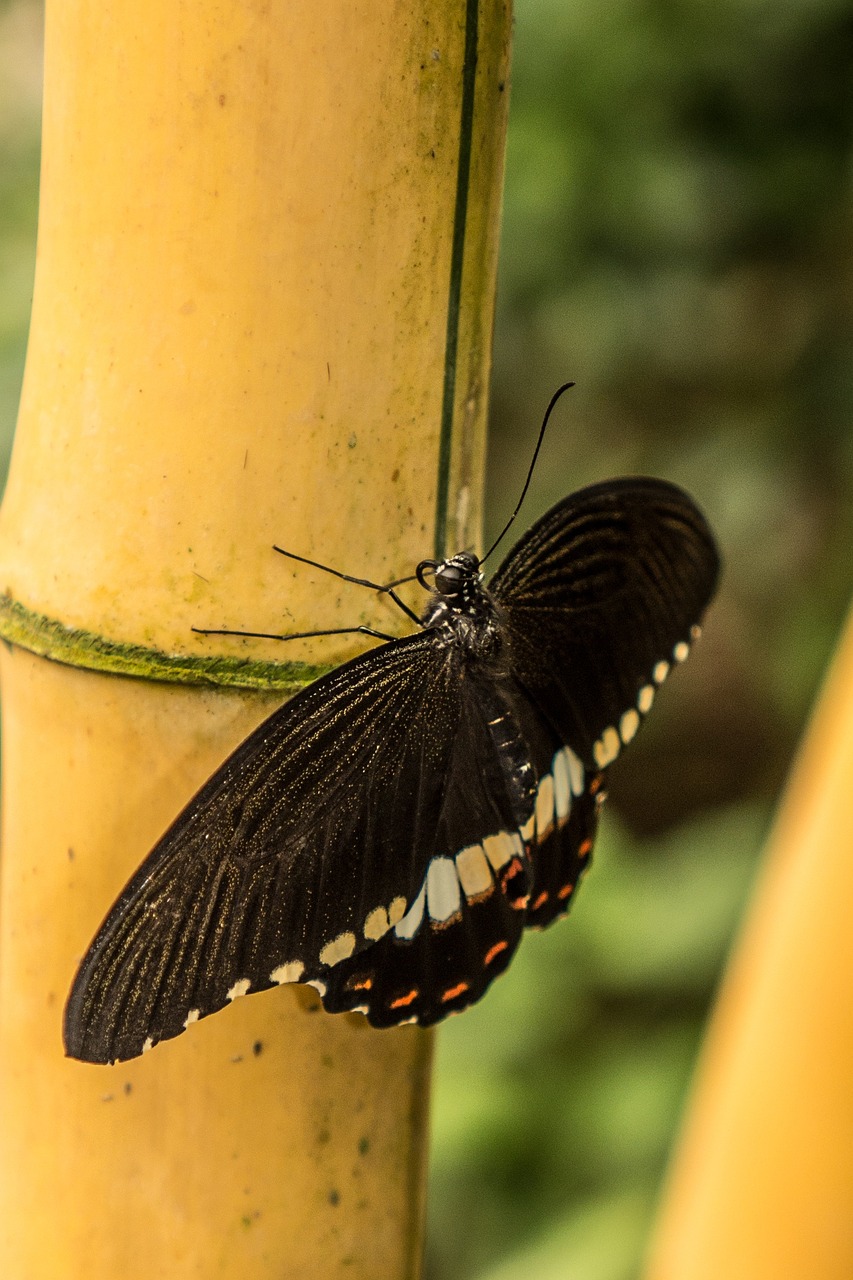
pixel 387 835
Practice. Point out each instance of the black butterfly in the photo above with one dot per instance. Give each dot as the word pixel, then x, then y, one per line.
pixel 388 833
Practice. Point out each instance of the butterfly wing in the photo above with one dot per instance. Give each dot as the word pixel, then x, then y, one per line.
pixel 563 824
pixel 335 823
pixel 439 966
pixel 442 969
pixel 599 600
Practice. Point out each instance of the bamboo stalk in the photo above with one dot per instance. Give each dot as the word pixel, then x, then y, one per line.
pixel 263 307
pixel 762 1183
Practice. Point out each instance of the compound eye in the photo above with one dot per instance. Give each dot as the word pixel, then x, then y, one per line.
pixel 448 579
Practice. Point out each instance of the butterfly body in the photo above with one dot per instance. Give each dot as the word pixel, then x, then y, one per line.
pixel 387 835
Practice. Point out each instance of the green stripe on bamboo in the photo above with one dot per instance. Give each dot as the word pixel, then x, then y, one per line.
pixel 76 647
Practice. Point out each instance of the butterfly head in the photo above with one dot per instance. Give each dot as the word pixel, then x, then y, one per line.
pixel 454 577
pixel 455 580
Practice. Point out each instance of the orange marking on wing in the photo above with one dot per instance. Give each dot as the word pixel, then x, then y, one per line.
pixel 584 848
pixel 494 951
pixel 565 891
pixel 445 924
pixel 453 992
pixel 360 984
pixel 511 870
pixel 595 785
pixel 402 1001
pixel 541 900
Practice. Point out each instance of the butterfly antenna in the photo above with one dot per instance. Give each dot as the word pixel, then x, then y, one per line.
pixel 554 398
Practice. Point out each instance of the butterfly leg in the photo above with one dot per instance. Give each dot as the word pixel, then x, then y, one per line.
pixel 386 588
pixel 401 604
pixel 294 635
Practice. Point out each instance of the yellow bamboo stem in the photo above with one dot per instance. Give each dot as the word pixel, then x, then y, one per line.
pixel 762 1183
pixel 262 314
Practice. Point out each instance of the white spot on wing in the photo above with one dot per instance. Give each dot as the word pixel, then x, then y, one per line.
pixel 473 870
pixel 192 1016
pixel 562 786
pixel 410 923
pixel 660 672
pixel 239 989
pixel 499 849
pixel 645 698
pixel 680 651
pixel 607 748
pixel 545 806
pixel 340 948
pixel 148 1044
pixel 290 972
pixel 628 725
pixel 442 889
pixel 377 924
pixel 319 987
pixel 576 775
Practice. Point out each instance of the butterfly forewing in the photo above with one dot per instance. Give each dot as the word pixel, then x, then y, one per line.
pixel 314 839
pixel 599 600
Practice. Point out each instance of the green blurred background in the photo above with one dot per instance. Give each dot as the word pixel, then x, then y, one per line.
pixel 677 240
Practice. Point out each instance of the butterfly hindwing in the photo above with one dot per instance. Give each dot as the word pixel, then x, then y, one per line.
pixel 563 848
pixel 443 966
pixel 442 959
pixel 563 824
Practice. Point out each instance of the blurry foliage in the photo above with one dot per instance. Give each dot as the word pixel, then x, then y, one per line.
pixel 557 1096
pixel 20 105
pixel 676 239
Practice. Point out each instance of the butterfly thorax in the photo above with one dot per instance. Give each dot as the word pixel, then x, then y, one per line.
pixel 460 608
